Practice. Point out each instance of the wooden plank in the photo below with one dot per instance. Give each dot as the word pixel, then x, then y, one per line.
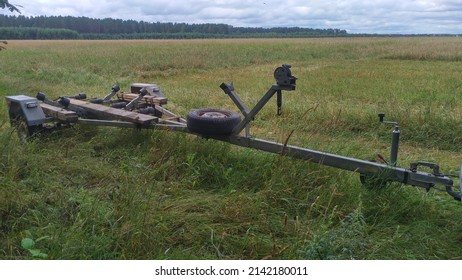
pixel 59 113
pixel 108 113
pixel 147 100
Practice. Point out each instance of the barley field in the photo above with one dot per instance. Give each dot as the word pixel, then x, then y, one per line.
pixel 111 193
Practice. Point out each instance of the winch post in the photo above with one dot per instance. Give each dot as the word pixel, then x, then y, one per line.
pixel 251 115
pixel 284 81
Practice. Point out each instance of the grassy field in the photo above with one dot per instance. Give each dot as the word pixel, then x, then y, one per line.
pixel 108 193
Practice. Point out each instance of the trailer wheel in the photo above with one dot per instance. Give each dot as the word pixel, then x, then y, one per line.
pixel 24 131
pixel 212 121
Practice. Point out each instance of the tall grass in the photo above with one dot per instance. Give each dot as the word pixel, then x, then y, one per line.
pixel 106 193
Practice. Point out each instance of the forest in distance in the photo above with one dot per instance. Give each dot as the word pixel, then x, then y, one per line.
pixel 68 27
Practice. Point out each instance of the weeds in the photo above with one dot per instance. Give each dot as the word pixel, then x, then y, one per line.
pixel 29 244
pixel 347 240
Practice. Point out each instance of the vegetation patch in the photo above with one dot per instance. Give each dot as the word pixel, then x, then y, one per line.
pixel 108 193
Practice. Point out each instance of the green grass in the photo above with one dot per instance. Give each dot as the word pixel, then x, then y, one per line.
pixel 108 193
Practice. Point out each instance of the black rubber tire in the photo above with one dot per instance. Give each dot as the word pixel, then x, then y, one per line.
pixel 212 121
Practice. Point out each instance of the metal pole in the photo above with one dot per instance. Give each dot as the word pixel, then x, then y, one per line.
pixel 397 174
pixel 394 146
pixel 229 90
pixel 251 115
pixel 279 102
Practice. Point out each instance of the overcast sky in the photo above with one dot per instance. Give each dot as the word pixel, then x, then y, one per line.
pixel 354 16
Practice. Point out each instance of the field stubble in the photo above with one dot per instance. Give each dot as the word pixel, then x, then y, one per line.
pixel 102 193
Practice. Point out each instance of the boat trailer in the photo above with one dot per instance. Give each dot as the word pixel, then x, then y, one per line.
pixel 143 107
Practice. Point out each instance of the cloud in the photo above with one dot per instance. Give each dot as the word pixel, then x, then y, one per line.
pixel 355 16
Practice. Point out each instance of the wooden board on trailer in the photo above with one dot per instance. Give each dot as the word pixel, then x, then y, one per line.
pixel 108 113
pixel 147 100
pixel 59 113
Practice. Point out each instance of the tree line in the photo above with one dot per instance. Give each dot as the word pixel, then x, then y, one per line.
pixel 68 27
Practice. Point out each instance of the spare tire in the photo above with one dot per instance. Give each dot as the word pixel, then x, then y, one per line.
pixel 212 121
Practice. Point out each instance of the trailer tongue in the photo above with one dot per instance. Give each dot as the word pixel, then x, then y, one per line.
pixel 142 108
